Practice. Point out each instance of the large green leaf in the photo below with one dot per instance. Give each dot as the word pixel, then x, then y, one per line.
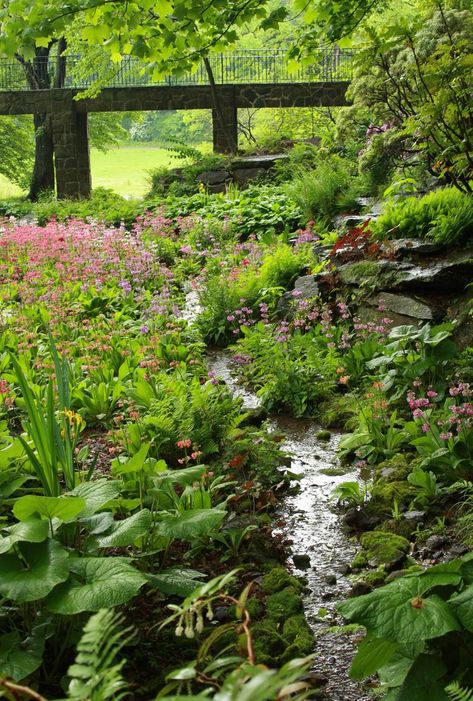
pixel 33 530
pixel 124 532
pixel 372 654
pixel 96 582
pixel 96 494
pixel 462 604
pixel 398 612
pixel 189 524
pixel 421 682
pixel 177 581
pixel 18 660
pixel 64 508
pixel 47 566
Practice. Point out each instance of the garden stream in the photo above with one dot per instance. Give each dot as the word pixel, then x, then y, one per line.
pixel 310 527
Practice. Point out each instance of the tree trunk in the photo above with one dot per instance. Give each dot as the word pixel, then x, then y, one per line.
pixel 43 178
pixel 218 108
pixel 39 78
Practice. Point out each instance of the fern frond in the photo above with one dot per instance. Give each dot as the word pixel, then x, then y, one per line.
pixel 457 693
pixel 96 675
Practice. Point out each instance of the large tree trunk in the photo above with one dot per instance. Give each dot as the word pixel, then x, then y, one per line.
pixel 39 78
pixel 43 178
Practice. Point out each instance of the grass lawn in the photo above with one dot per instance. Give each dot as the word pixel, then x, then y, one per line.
pixel 123 169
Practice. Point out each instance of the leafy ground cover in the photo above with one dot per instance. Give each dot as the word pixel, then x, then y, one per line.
pixel 132 479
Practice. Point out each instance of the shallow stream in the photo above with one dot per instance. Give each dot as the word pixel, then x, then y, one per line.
pixel 311 527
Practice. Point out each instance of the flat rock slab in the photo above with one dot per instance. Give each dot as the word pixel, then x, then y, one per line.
pixel 401 304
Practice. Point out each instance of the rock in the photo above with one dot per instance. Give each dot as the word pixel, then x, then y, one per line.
pixel 264 161
pixel 330 579
pixel 307 285
pixel 323 435
pixel 420 247
pixel 358 520
pixel 457 550
pixel 450 273
pixel 301 561
pixel 315 679
pixel 436 543
pixel 214 177
pixel 395 564
pixel 387 472
pixel 401 304
pixel 359 589
pixel 396 574
pixel 416 516
pixel 255 417
pixel 243 176
pixel 344 569
pixel 384 548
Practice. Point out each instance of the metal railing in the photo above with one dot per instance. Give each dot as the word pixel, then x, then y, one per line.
pixel 247 66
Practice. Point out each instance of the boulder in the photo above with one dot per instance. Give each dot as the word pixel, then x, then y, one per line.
pixel 401 304
pixel 214 177
pixel 306 287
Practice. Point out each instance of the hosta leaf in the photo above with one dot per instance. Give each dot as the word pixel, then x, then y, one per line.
pixel 64 508
pixel 47 567
pixel 189 524
pixel 96 582
pixel 123 533
pixel 462 604
pixel 176 581
pixel 398 612
pixel 96 494
pixel 33 530
pixel 98 523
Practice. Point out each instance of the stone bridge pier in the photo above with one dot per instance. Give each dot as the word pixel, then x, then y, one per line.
pixel 71 154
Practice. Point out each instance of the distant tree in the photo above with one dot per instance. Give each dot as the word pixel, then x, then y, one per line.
pixel 415 80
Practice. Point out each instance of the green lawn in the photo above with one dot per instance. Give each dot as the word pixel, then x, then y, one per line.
pixel 123 169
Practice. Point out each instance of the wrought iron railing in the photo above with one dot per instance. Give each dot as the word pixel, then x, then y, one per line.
pixel 266 66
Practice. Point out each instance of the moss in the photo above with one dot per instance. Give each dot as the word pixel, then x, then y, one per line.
pixel 284 603
pixel 399 466
pixel 359 561
pixel 323 435
pixel 335 471
pixel 399 527
pixel 384 494
pixel 268 643
pixel 384 547
pixel 254 608
pixel 376 578
pixel 277 579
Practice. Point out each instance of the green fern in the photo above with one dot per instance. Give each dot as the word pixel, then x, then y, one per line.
pixel 96 675
pixel 458 693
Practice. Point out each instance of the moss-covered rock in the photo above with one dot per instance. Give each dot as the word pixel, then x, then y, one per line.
pixel 383 547
pixel 277 579
pixel 384 494
pixel 375 578
pixel 284 603
pixel 395 469
pixel 323 435
pixel 399 527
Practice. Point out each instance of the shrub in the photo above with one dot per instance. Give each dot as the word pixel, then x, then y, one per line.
pixel 444 216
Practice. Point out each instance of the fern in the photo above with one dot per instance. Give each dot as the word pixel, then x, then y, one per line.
pixel 96 675
pixel 458 693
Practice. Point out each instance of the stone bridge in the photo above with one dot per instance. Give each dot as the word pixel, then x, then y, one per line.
pixel 240 80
